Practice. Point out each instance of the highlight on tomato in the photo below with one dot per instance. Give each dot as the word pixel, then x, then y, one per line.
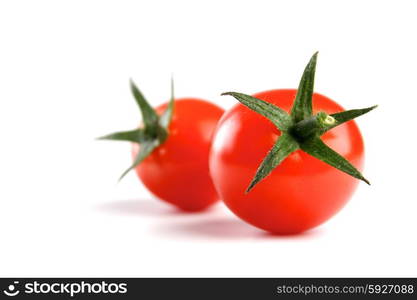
pixel 287 160
pixel 171 149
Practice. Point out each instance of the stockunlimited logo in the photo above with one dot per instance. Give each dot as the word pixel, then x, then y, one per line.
pixel 12 289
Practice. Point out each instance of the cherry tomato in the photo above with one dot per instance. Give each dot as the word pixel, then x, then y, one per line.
pixel 302 192
pixel 177 171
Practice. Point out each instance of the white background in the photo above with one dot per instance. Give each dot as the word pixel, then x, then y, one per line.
pixel 64 70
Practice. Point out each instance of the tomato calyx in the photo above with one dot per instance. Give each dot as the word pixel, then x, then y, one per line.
pixel 154 131
pixel 301 129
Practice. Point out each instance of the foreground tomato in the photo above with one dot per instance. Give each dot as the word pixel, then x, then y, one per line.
pixel 171 151
pixel 303 191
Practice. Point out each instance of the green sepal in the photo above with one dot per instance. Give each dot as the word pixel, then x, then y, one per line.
pixel 303 107
pixel 345 116
pixel 276 115
pixel 149 115
pixel 284 146
pixel 166 117
pixel 154 131
pixel 145 149
pixel 317 148
pixel 135 136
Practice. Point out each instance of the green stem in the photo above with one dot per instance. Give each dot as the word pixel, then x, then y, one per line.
pixel 312 126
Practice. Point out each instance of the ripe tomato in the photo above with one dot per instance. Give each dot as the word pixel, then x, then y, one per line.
pixel 302 192
pixel 177 171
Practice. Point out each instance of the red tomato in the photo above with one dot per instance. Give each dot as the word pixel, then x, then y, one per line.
pixel 302 192
pixel 177 171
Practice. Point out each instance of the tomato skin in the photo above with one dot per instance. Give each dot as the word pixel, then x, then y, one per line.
pixel 177 171
pixel 302 192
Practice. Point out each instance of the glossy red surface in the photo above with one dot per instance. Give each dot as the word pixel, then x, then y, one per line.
pixel 299 194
